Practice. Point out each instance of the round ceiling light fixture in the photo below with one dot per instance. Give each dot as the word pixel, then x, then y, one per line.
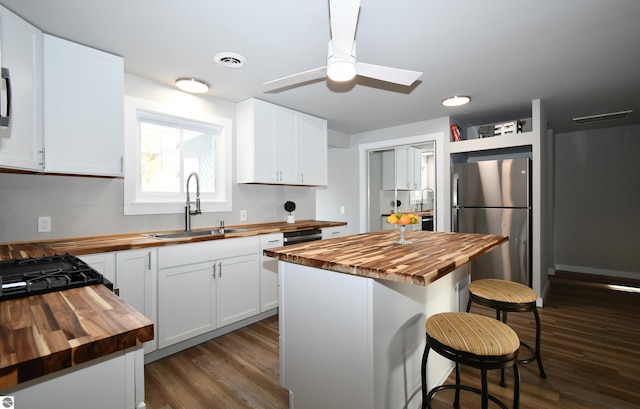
pixel 341 70
pixel 230 60
pixel 456 101
pixel 193 85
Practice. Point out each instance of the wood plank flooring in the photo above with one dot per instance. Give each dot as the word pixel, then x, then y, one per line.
pixel 590 351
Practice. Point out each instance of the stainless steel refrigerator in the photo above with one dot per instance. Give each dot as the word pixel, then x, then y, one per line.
pixel 493 197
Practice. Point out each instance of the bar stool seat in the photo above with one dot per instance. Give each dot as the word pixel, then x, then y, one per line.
pixel 474 340
pixel 508 296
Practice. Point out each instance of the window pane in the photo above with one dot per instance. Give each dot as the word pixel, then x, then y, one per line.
pixel 199 157
pixel 159 158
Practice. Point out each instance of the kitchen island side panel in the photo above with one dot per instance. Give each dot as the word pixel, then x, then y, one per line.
pixel 325 335
pixel 356 342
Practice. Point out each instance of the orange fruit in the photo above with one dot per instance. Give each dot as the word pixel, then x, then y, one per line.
pixel 404 220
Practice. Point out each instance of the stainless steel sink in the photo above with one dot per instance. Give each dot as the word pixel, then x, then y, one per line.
pixel 183 234
pixel 228 230
pixel 193 233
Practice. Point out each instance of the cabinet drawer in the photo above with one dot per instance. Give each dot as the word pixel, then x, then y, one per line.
pixel 191 253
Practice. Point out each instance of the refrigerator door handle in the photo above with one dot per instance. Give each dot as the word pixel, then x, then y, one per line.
pixel 454 190
pixel 454 219
pixel 454 203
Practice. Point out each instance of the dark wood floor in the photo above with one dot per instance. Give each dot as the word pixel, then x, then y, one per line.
pixel 590 350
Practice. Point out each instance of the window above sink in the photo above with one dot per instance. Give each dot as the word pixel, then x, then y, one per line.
pixel 163 145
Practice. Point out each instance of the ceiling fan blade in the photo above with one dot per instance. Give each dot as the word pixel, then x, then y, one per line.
pixel 388 74
pixel 344 20
pixel 297 78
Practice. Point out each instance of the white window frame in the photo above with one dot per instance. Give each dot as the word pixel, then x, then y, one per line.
pixel 134 108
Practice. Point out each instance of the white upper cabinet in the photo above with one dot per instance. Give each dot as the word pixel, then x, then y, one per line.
pixel 401 168
pixel 312 150
pixel 21 57
pixel 277 145
pixel 83 101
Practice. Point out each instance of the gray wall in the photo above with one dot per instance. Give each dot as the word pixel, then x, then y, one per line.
pixel 85 206
pixel 343 182
pixel 597 201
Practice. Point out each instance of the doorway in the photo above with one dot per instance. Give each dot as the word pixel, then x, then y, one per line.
pixel 402 178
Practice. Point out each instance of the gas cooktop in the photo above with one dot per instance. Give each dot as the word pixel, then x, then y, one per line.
pixel 22 278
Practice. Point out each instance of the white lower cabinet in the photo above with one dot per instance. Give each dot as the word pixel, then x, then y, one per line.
pixel 133 274
pixel 331 232
pixel 187 304
pixel 237 288
pixel 206 285
pixel 103 263
pixel 269 272
pixel 136 282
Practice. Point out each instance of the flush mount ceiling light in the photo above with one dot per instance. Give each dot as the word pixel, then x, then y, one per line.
pixel 582 120
pixel 229 60
pixel 193 85
pixel 456 101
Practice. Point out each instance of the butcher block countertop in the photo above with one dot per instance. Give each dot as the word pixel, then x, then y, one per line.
pixel 45 333
pixel 102 244
pixel 41 334
pixel 429 256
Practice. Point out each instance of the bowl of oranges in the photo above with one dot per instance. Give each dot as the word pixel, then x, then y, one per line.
pixel 402 219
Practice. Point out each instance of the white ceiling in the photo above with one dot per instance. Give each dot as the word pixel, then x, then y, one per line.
pixel 581 57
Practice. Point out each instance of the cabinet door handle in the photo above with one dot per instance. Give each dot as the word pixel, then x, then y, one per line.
pixel 220 269
pixel 149 261
pixel 214 271
pixel 5 120
pixel 274 241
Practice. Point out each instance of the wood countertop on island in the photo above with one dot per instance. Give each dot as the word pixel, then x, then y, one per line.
pixel 45 333
pixel 377 255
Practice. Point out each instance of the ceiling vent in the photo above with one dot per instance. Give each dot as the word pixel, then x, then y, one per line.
pixel 230 60
pixel 583 120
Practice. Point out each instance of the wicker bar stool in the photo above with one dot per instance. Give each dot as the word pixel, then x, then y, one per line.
pixel 474 340
pixel 508 296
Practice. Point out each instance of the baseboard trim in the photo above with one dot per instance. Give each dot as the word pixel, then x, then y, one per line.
pixel 598 271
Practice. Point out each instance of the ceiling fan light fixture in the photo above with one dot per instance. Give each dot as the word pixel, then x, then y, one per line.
pixel 341 70
pixel 456 101
pixel 192 85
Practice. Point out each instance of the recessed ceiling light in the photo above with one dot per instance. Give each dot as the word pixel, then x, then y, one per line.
pixel 229 60
pixel 192 85
pixel 456 101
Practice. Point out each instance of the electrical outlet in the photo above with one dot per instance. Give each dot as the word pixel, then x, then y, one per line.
pixel 44 224
pixel 243 215
pixel 341 209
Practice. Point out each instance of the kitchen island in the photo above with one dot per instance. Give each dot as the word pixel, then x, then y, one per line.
pixel 352 314
pixel 80 347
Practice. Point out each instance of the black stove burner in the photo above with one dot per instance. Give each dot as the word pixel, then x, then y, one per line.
pixel 21 278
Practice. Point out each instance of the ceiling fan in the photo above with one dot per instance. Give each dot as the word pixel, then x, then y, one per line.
pixel 341 54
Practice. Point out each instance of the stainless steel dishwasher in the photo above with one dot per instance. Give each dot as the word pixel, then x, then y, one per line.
pixel 301 236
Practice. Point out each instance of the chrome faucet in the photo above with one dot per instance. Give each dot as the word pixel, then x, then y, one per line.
pixel 422 197
pixel 187 208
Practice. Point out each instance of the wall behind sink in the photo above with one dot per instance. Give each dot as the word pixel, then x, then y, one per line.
pixel 86 206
